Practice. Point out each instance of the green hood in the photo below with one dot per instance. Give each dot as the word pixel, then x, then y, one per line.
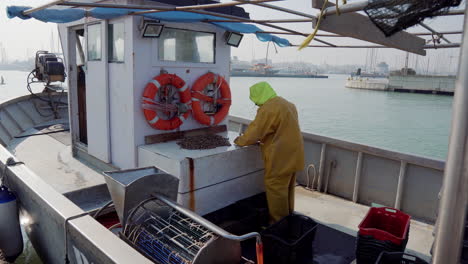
pixel 261 92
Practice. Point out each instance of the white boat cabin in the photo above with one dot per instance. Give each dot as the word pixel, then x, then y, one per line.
pixel 109 64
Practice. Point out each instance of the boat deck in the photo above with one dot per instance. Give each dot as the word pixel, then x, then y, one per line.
pixel 49 155
pixel 345 216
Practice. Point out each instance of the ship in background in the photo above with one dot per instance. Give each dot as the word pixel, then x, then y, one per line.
pixel 405 80
pixel 382 71
pixel 265 69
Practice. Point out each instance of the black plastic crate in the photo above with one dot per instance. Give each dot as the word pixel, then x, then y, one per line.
pixel 289 240
pixel 464 253
pixel 465 234
pixel 247 220
pixel 245 216
pixel 398 258
pixel 368 249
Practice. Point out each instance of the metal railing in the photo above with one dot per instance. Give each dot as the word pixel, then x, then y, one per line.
pixel 366 174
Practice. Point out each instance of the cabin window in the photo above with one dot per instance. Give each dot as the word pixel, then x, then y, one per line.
pixel 186 46
pixel 116 42
pixel 94 42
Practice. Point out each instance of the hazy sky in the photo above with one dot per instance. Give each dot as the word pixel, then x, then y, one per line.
pixel 22 38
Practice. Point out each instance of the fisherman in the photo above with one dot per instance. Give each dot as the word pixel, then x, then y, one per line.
pixel 276 128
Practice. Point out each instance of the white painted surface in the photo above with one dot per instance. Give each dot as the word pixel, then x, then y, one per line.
pixel 97 103
pixel 423 83
pixel 123 146
pixel 346 216
pixel 218 196
pixel 53 161
pixel 69 48
pixel 147 66
pixel 366 83
pixel 64 39
pixel 116 124
pixel 227 173
pixel 210 166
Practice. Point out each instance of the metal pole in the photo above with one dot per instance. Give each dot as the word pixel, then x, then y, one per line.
pixel 155 7
pixel 357 177
pixel 44 6
pixel 359 6
pixel 452 207
pixel 286 10
pixel 196 10
pixel 348 8
pixel 340 36
pixel 454 12
pixel 123 6
pixel 290 31
pixel 440 32
pixel 301 20
pixel 323 152
pixel 401 184
pixel 434 32
pixel 206 6
pixel 440 46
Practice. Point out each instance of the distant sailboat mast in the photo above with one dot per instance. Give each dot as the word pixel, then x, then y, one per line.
pixel 3 56
pixel 406 64
pixel 52 41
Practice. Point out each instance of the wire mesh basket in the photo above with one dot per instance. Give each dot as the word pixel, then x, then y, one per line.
pixel 164 234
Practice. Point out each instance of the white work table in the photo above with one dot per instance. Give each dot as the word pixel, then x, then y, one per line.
pixel 225 173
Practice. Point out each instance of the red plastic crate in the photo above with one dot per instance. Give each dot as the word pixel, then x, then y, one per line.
pixel 109 219
pixel 385 224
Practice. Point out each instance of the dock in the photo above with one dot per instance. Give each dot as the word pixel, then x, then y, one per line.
pixel 424 84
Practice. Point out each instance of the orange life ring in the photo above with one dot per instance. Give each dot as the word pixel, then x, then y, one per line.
pixel 150 105
pixel 198 96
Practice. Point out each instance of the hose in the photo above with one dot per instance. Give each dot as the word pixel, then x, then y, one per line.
pixel 98 212
pixel 32 79
pixel 259 249
pixel 114 226
pixel 311 187
pixel 312 36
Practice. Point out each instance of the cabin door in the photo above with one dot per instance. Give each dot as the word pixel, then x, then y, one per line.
pixel 81 87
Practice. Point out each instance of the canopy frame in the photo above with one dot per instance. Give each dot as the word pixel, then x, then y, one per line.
pixel 331 10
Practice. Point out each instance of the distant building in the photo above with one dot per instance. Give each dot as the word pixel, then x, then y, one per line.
pixel 382 68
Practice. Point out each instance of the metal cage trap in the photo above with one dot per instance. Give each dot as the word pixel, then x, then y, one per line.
pixel 164 234
pixel 164 231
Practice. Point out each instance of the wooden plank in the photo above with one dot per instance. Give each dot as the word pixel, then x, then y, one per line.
pixel 160 138
pixel 355 25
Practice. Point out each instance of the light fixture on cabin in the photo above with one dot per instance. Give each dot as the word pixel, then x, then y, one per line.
pixel 152 30
pixel 233 38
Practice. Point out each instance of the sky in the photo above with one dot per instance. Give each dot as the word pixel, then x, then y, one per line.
pixel 21 38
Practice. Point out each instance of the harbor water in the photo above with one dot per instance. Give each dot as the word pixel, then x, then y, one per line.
pixel 412 123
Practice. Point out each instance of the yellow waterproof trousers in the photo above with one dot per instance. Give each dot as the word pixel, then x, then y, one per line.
pixel 280 195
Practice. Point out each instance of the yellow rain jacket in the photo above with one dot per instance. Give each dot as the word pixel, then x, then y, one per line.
pixel 276 128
